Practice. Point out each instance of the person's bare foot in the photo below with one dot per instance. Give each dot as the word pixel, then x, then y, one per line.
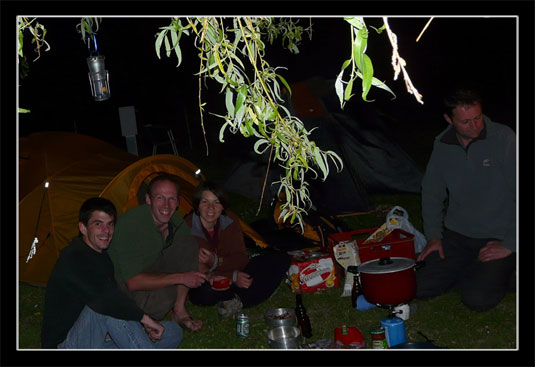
pixel 185 321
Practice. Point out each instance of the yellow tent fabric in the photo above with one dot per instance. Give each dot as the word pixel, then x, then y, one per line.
pixel 78 167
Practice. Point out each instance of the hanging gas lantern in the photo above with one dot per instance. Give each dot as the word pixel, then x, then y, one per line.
pixel 99 78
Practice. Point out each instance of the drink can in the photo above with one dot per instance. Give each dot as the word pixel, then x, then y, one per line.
pixel 242 326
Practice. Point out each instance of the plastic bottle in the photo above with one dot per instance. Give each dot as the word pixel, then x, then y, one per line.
pixel 302 317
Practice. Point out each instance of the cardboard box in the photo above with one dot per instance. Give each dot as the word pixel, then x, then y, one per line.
pixel 311 271
pixel 398 243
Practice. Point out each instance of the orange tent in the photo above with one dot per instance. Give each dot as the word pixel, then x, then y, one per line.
pixel 77 167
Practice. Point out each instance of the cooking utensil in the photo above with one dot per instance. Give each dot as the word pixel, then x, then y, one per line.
pixel 389 281
pixel 276 317
pixel 284 337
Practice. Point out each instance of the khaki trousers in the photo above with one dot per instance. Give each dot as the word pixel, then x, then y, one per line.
pixel 180 257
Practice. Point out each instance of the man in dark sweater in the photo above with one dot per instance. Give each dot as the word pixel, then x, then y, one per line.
pixel 472 239
pixel 84 308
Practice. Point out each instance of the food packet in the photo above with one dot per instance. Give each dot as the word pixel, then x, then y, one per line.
pixel 381 232
pixel 346 254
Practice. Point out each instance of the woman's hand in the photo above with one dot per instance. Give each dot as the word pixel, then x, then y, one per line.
pixel 206 257
pixel 243 280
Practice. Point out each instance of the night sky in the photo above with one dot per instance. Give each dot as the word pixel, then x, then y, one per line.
pixel 56 90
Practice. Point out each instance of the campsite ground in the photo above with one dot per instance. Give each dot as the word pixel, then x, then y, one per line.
pixel 442 319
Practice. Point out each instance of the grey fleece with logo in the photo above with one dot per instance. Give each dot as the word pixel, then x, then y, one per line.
pixel 479 183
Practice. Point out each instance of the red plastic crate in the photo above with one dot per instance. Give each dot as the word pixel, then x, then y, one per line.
pixel 398 243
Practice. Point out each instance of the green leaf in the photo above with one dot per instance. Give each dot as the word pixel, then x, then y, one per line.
pixel 229 97
pixel 321 163
pixel 367 75
pixel 176 46
pixel 359 47
pixel 349 88
pixel 159 41
pixel 167 46
pixel 222 131
pixel 339 87
pixel 240 106
pixel 379 84
pixel 23 110
pixel 357 22
pixel 259 143
pixel 285 83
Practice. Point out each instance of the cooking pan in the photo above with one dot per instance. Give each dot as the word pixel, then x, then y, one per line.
pixel 389 280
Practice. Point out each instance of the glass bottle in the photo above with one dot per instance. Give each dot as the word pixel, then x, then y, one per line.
pixel 356 290
pixel 302 317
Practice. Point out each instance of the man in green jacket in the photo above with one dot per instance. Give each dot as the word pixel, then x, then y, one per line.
pixel 155 257
pixel 84 308
pixel 469 207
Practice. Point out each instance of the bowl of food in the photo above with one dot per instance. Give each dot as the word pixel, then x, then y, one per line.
pixel 221 283
pixel 276 317
pixel 284 337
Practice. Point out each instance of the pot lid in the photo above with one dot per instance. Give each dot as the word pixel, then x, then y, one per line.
pixel 386 265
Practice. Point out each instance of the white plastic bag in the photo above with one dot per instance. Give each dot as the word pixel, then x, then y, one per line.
pixel 399 218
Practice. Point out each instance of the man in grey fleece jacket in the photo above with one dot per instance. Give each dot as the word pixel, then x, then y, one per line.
pixel 469 207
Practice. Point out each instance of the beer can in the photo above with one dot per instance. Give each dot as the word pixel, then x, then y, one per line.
pixel 242 326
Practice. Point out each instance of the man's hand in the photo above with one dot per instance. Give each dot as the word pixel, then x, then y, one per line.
pixel 243 280
pixel 434 244
pixel 493 250
pixel 153 328
pixel 206 257
pixel 193 279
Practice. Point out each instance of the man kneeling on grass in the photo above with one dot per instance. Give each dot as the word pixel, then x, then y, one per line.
pixel 84 308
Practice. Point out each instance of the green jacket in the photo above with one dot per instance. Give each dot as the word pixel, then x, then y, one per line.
pixel 137 241
pixel 479 183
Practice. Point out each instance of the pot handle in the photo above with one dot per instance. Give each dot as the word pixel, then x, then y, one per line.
pixel 419 264
pixel 353 269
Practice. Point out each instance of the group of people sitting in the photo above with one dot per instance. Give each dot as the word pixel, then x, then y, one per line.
pixel 115 283
pixel 112 286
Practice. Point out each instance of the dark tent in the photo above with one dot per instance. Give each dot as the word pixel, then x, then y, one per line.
pixel 373 162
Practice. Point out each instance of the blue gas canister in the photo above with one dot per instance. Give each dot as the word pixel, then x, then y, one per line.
pixel 394 331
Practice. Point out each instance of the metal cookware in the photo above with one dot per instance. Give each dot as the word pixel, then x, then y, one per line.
pixel 276 317
pixel 284 337
pixel 389 281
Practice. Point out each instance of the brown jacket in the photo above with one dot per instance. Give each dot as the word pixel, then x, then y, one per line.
pixel 230 247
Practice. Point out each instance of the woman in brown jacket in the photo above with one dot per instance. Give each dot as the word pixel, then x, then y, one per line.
pixel 218 230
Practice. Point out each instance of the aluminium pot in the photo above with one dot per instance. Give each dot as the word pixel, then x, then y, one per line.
pixel 389 280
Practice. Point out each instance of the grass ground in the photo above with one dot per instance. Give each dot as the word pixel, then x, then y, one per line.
pixel 443 319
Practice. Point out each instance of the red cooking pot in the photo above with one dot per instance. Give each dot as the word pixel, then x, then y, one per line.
pixel 389 280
